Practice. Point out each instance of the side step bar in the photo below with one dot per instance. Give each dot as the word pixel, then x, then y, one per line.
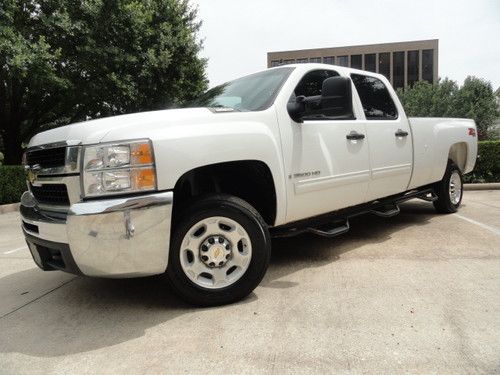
pixel 386 211
pixel 331 230
pixel 336 222
pixel 325 230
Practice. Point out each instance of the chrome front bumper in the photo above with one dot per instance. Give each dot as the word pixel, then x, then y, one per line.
pixel 120 237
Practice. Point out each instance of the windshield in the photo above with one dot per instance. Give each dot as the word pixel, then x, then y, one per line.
pixel 255 92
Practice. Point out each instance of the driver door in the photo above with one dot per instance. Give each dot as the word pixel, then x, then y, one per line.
pixel 326 168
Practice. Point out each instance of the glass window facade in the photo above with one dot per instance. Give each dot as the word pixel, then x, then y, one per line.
pixel 356 62
pixel 413 68
pixel 370 60
pixel 428 65
pixel 343 60
pixel 398 69
pixel 329 60
pixel 384 64
pixel 402 64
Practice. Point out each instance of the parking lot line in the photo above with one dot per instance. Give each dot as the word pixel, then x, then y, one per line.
pixel 484 226
pixel 13 251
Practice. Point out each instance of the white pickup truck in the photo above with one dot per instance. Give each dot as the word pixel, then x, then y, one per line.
pixel 197 193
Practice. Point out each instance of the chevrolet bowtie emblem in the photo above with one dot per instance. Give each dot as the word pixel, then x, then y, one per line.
pixel 32 172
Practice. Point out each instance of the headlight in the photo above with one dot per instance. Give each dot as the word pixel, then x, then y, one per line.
pixel 118 168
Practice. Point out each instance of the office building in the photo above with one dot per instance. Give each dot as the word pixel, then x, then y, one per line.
pixel 403 63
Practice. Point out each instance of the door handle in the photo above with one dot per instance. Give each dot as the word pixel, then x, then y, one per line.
pixel 354 135
pixel 401 133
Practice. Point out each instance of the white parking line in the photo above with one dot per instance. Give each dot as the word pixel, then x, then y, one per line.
pixel 13 251
pixel 484 226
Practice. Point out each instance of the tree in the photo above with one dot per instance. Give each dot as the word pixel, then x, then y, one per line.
pixel 475 99
pixel 63 61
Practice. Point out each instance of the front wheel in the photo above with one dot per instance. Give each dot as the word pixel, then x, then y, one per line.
pixel 449 190
pixel 219 252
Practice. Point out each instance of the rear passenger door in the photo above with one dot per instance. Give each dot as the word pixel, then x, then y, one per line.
pixel 388 136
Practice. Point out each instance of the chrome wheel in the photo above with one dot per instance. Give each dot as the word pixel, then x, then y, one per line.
pixel 455 188
pixel 215 252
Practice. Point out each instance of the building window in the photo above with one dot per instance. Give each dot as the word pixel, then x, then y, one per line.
pixel 370 62
pixel 356 62
pixel 343 60
pixel 384 64
pixel 289 61
pixel 412 67
pixel 275 63
pixel 428 65
pixel 302 61
pixel 329 60
pixel 398 69
pixel 375 98
pixel 315 60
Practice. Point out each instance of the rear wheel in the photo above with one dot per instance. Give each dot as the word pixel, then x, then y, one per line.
pixel 219 251
pixel 449 190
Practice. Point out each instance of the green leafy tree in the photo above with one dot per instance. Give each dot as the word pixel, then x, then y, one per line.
pixel 475 99
pixel 63 61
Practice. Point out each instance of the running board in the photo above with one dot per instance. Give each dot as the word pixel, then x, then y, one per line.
pixel 330 230
pixel 386 211
pixel 378 207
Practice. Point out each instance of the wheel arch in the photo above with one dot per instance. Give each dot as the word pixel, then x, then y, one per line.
pixel 250 180
pixel 458 155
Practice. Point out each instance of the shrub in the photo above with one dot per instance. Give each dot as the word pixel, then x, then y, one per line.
pixel 12 183
pixel 487 167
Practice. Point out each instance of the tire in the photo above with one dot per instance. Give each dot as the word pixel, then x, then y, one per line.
pixel 449 190
pixel 209 265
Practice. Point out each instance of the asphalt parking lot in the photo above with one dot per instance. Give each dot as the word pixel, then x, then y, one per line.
pixel 417 293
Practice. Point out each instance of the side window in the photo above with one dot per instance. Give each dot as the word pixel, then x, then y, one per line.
pixel 375 98
pixel 312 83
pixel 311 86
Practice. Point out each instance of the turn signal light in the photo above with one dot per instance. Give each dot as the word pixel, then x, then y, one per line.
pixel 144 178
pixel 141 153
pixel 472 132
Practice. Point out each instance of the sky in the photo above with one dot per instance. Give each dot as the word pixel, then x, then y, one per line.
pixel 238 34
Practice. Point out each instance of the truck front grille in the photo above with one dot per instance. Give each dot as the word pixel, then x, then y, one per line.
pixel 51 194
pixel 47 158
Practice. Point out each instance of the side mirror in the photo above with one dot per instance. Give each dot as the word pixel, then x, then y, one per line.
pixel 297 108
pixel 336 98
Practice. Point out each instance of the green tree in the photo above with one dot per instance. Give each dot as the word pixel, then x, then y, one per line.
pixel 475 99
pixel 63 61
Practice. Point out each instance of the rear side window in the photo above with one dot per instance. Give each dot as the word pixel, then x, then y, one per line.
pixel 375 98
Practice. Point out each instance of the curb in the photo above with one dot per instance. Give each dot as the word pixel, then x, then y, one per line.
pixel 487 186
pixel 9 208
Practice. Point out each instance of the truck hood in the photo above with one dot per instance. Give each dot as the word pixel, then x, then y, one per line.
pixel 127 126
